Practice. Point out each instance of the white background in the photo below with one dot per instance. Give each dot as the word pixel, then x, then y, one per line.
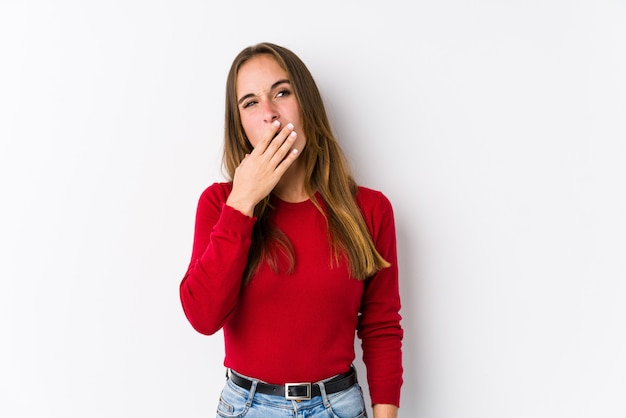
pixel 496 128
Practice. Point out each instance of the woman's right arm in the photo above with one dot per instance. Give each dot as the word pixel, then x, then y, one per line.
pixel 210 289
pixel 224 221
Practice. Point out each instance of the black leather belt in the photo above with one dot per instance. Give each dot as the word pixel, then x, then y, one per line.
pixel 298 391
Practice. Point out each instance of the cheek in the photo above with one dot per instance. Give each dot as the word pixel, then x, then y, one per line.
pixel 300 143
pixel 251 133
pixel 253 140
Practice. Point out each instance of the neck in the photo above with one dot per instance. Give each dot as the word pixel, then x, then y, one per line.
pixel 291 188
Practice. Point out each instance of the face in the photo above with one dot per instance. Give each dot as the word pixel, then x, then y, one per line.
pixel 265 94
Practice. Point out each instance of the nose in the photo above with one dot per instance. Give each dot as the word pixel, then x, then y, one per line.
pixel 270 112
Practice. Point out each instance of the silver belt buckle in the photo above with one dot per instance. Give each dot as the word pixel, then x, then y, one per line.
pixel 306 397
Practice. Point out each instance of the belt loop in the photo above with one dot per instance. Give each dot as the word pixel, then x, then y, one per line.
pixel 252 392
pixel 323 393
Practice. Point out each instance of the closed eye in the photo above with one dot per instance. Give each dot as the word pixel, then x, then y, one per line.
pixel 248 104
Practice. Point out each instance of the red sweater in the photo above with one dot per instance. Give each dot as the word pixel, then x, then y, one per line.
pixel 296 327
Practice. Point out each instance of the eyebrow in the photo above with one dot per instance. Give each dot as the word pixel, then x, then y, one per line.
pixel 276 84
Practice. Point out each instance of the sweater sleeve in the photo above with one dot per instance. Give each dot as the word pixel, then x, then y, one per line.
pixel 210 288
pixel 379 321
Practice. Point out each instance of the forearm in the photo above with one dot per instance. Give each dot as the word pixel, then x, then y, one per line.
pixel 385 411
pixel 208 297
pixel 210 288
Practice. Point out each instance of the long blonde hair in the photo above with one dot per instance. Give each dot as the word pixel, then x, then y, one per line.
pixel 326 168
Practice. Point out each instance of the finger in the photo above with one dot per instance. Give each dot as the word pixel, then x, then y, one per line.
pixel 287 161
pixel 268 138
pixel 279 140
pixel 283 149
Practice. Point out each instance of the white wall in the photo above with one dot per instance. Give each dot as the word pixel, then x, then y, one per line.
pixel 496 128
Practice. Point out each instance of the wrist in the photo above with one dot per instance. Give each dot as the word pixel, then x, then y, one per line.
pixel 243 206
pixel 385 411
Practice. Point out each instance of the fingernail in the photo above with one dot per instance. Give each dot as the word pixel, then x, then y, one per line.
pixel 293 134
pixel 276 123
pixel 290 125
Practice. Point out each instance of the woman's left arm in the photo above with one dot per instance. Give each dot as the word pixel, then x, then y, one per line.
pixel 385 411
pixel 379 321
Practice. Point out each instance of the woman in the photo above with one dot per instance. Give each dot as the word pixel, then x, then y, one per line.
pixel 291 257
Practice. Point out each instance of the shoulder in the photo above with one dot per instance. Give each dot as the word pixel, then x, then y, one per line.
pixel 216 194
pixel 375 207
pixel 376 210
pixel 217 190
pixel 372 200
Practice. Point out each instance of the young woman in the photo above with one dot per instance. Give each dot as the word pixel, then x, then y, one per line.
pixel 291 258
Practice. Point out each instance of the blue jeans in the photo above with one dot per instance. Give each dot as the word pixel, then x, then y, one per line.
pixel 237 402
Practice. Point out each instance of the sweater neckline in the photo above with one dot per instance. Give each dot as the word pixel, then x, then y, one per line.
pixel 278 202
